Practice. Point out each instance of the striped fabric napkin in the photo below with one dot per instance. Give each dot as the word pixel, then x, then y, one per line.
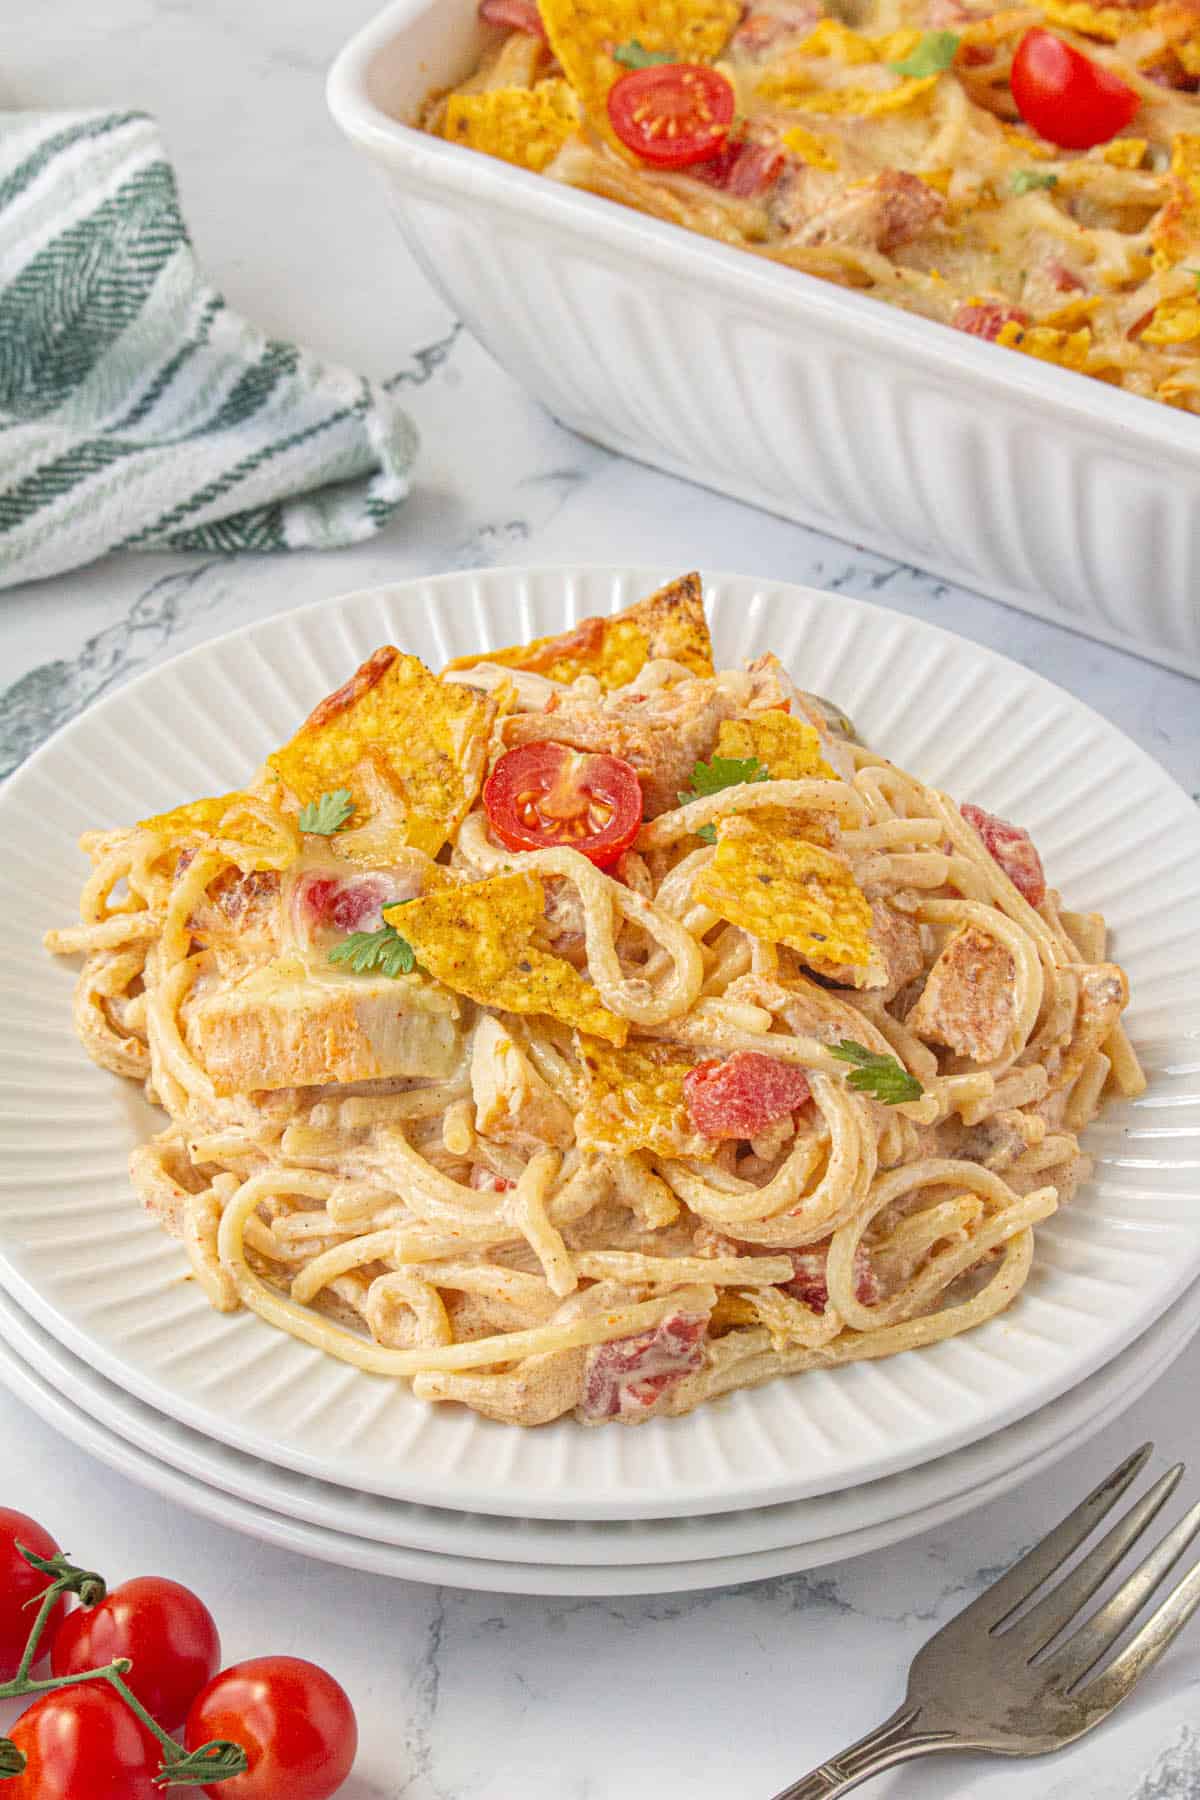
pixel 136 410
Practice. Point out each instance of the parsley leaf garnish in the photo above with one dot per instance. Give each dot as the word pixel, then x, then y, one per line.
pixel 1025 179
pixel 385 950
pixel 634 56
pixel 328 814
pixel 1196 273
pixel 884 1077
pixel 711 777
pixel 723 772
pixel 934 53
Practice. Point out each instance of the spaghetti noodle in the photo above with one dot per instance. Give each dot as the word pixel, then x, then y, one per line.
pixel 788 1081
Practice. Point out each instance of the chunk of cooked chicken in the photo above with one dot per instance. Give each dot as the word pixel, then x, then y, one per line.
pixel 663 732
pixel 285 1025
pixel 513 1104
pixel 880 215
pixel 968 999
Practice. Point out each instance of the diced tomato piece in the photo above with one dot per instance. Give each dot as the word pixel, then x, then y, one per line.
pixel 987 318
pixel 741 1096
pixel 352 903
pixel 489 1182
pixel 1013 849
pixel 809 1283
pixel 624 1378
pixel 513 15
pixel 742 168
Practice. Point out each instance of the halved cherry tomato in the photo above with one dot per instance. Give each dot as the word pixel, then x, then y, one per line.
pixel 164 1629
pixel 19 1584
pixel 672 114
pixel 294 1721
pixel 84 1743
pixel 1065 96
pixel 544 794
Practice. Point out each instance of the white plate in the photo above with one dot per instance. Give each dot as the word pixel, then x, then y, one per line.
pixel 371 1539
pixel 931 1494
pixel 1115 832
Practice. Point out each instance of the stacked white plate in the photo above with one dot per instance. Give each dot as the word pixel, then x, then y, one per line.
pixel 101 1333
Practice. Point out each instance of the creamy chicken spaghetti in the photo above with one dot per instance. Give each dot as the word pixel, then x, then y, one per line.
pixel 588 1029
pixel 1027 173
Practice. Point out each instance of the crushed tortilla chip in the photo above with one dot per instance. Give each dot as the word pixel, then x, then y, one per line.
pixel 810 148
pixel 635 1100
pixel 1107 23
pixel 1030 146
pixel 1125 153
pixel 478 939
pixel 525 126
pixel 1178 224
pixel 788 748
pixel 1070 350
pixel 240 826
pixel 861 102
pixel 669 623
pixel 584 33
pixel 395 728
pixel 788 891
pixel 1175 321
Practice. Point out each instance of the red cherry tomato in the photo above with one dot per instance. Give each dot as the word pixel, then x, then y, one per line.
pixel 18 1584
pixel 544 794
pixel 672 114
pixel 167 1633
pixel 295 1723
pixel 84 1743
pixel 1066 97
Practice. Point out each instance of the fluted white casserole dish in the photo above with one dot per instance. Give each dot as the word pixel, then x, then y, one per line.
pixel 1075 501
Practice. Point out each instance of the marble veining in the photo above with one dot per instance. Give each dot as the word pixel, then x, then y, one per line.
pixel 726 1695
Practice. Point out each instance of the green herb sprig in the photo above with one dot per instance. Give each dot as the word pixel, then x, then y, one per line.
pixel 384 951
pixel 712 777
pixel 883 1077
pixel 635 56
pixel 931 56
pixel 328 814
pixel 1025 180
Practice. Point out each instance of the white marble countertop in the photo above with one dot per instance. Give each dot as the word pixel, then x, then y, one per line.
pixel 463 1696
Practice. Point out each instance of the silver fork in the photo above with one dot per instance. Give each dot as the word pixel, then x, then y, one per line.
pixel 989 1681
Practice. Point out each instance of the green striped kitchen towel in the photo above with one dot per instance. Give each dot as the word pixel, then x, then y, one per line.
pixel 136 410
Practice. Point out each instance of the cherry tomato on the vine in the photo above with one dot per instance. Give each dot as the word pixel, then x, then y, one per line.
pixel 544 794
pixel 84 1743
pixel 672 114
pixel 19 1584
pixel 1066 97
pixel 294 1721
pixel 164 1629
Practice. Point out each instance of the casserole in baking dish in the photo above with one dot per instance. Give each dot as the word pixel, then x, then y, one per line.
pixel 1067 497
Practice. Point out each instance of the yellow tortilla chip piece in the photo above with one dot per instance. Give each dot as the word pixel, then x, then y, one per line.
pixel 1125 153
pixel 1030 146
pixel 396 725
pixel 810 148
pixel 525 126
pixel 863 102
pixel 787 891
pixel 1069 349
pixel 669 623
pixel 635 1101
pixel 1175 321
pixel 477 938
pixel 1178 224
pixel 584 33
pixel 241 826
pixel 788 748
pixel 1108 23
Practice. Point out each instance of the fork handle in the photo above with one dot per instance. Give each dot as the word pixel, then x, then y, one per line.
pixel 896 1740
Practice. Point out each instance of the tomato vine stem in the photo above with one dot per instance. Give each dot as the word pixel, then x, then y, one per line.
pixel 213 1762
